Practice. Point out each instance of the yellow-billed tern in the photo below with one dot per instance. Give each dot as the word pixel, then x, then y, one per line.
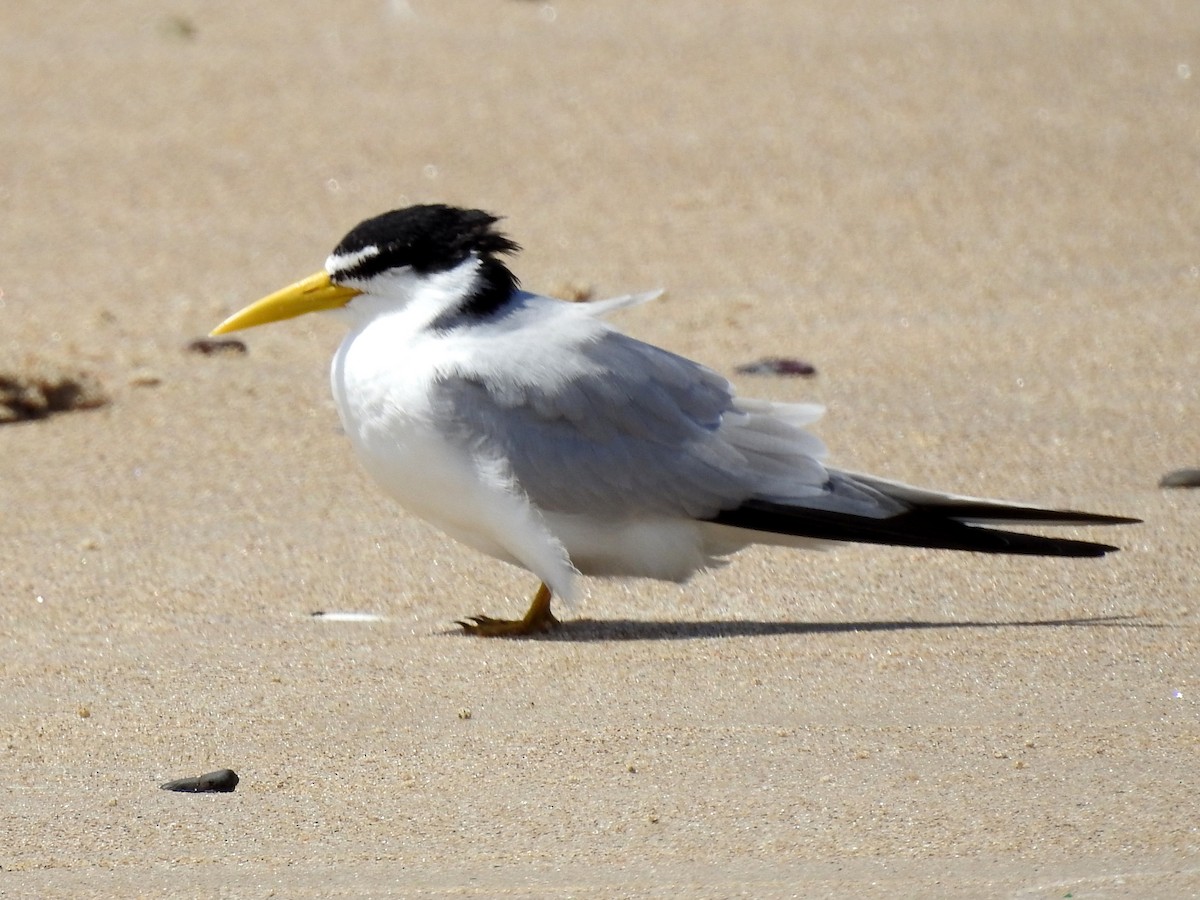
pixel 531 430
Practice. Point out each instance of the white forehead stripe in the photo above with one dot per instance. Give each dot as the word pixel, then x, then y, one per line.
pixel 340 262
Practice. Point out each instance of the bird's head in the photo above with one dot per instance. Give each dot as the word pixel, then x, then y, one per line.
pixel 392 256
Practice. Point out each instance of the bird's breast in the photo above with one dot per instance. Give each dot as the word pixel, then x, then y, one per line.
pixel 383 393
pixel 375 386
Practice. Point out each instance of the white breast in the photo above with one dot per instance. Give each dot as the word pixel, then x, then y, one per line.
pixel 381 377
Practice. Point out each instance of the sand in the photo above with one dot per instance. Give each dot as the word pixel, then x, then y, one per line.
pixel 978 222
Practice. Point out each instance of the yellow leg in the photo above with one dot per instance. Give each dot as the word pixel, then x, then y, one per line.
pixel 537 620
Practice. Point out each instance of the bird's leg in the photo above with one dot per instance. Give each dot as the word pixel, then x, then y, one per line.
pixel 536 620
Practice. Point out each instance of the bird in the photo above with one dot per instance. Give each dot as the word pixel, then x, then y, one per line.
pixel 536 432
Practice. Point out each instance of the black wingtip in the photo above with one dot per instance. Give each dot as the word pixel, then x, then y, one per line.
pixel 1114 520
pixel 920 527
pixel 1024 515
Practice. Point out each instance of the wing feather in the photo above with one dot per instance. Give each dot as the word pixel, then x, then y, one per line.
pixel 599 423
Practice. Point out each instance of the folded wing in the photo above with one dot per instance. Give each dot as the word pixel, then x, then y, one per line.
pixel 592 422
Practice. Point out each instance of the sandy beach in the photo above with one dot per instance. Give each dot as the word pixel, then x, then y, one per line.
pixel 979 223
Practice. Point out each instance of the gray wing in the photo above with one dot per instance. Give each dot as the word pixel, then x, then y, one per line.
pixel 590 421
pixel 610 426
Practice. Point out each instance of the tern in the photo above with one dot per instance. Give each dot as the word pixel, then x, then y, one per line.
pixel 532 430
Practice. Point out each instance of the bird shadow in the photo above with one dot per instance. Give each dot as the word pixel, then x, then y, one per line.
pixel 656 630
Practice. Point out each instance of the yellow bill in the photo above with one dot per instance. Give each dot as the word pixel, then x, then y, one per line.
pixel 313 294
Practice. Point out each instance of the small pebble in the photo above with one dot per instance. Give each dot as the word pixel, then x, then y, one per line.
pixel 145 378
pixel 220 781
pixel 208 346
pixel 777 365
pixel 1181 478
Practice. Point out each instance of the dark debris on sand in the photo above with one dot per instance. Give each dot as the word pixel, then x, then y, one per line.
pixel 210 346
pixel 222 781
pixel 1185 478
pixel 778 365
pixel 42 392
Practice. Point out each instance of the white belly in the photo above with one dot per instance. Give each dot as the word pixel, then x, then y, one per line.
pixel 384 403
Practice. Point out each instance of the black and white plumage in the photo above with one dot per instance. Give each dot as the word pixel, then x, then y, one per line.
pixel 532 430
